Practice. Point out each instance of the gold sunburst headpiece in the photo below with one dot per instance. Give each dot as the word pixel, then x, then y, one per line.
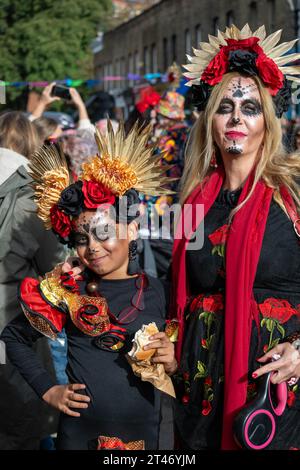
pixel 126 162
pixel 49 170
pixel 252 53
pixel 123 163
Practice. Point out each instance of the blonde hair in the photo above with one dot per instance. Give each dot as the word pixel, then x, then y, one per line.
pixel 274 166
pixel 18 133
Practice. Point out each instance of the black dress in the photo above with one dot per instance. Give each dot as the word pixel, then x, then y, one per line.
pixel 121 404
pixel 200 381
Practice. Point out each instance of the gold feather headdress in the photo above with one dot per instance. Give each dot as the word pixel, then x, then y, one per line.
pixel 126 162
pixel 267 46
pixel 122 163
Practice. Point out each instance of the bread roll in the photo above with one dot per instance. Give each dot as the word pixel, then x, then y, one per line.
pixel 140 340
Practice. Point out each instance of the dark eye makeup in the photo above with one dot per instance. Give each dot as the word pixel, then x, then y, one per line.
pixel 80 239
pixel 249 107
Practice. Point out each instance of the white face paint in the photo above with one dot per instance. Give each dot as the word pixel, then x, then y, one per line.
pixel 98 244
pixel 238 124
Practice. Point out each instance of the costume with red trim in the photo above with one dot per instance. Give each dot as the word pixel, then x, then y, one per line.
pixel 100 316
pixel 226 304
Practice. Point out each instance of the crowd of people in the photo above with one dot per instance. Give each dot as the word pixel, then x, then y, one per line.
pixel 80 275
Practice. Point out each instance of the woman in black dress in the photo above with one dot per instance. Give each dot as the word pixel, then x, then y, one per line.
pixel 101 311
pixel 237 298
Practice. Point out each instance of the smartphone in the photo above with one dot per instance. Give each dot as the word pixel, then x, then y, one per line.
pixel 62 92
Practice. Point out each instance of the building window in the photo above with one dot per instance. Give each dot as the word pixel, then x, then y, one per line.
pixel 117 72
pixel 136 62
pixel 99 72
pixel 130 67
pixel 174 48
pixel 153 64
pixel 110 73
pixel 215 25
pixel 253 15
pixel 105 73
pixel 187 41
pixel 123 71
pixel 165 53
pixel 146 60
pixel 198 34
pixel 229 18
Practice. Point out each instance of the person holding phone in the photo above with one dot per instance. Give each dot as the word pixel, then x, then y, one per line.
pixel 53 93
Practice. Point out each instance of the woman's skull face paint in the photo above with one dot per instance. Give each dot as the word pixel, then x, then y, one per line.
pixel 238 124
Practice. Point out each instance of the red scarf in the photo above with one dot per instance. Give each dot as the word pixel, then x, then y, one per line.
pixel 242 254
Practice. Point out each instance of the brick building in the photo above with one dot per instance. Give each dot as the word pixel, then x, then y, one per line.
pixel 151 41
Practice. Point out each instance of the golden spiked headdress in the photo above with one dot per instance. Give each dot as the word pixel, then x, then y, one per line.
pixel 250 53
pixel 123 163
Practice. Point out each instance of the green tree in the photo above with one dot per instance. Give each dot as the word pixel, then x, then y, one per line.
pixel 48 40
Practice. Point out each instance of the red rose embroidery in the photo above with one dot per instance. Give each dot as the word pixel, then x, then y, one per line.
pixel 186 375
pixel 206 407
pixel 185 399
pixel 265 348
pixel 280 310
pixel 219 237
pixel 208 381
pixel 291 398
pixel 60 222
pixel 196 303
pixel 213 303
pixel 96 194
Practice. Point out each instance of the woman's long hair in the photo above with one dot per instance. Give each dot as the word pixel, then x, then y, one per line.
pixel 17 133
pixel 274 165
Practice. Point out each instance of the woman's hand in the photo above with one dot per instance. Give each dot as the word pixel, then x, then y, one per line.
pixel 165 353
pixel 74 266
pixel 286 367
pixel 64 397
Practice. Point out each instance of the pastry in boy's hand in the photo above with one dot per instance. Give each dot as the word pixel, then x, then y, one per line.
pixel 140 340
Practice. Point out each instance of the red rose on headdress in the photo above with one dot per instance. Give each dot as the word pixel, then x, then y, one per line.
pixel 269 73
pixel 96 194
pixel 60 222
pixel 217 67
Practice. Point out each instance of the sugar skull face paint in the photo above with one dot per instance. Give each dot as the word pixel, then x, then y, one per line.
pixel 99 245
pixel 238 124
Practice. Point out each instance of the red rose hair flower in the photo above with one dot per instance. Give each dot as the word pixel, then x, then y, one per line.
pixel 60 222
pixel 95 194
